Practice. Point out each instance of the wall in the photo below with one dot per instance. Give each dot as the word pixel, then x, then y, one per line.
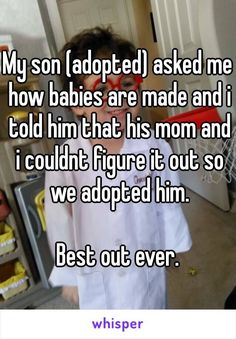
pixel 22 20
pixel 142 9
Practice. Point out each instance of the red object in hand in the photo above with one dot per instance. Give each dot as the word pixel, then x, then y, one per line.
pixel 4 207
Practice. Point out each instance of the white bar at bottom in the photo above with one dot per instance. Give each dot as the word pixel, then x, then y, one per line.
pixel 77 324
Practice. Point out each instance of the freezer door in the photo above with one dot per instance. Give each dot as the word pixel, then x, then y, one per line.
pixel 26 195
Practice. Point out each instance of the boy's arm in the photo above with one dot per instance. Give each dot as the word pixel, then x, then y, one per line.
pixel 70 294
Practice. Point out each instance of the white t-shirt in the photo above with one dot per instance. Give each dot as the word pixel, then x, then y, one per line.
pixel 147 226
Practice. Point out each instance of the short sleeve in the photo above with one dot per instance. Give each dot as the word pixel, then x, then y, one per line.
pixel 175 227
pixel 59 228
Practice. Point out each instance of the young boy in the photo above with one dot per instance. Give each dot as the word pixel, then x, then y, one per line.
pixel 146 226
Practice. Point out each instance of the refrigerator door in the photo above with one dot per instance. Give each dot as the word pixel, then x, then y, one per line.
pixel 27 195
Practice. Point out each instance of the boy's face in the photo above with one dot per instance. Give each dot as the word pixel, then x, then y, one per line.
pixel 105 112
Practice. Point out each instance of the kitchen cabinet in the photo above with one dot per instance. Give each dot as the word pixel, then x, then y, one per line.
pixel 9 179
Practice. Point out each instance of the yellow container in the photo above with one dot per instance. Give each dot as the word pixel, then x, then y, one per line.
pixel 7 239
pixel 13 279
pixel 39 202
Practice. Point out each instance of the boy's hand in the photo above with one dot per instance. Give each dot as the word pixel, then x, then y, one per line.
pixel 70 293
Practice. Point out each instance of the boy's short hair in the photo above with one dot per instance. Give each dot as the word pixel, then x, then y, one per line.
pixel 102 42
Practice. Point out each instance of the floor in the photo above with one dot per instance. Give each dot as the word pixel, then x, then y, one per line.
pixel 207 273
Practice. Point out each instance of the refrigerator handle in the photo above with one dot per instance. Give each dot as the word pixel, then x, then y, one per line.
pixel 37 221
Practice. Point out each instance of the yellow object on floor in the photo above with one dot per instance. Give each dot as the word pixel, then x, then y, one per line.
pixel 192 271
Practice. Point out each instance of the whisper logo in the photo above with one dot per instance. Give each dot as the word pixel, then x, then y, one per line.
pixel 116 324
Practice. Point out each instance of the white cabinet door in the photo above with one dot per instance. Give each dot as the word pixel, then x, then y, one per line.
pixel 177 26
pixel 77 15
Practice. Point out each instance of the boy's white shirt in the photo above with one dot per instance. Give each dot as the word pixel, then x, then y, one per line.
pixel 148 226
